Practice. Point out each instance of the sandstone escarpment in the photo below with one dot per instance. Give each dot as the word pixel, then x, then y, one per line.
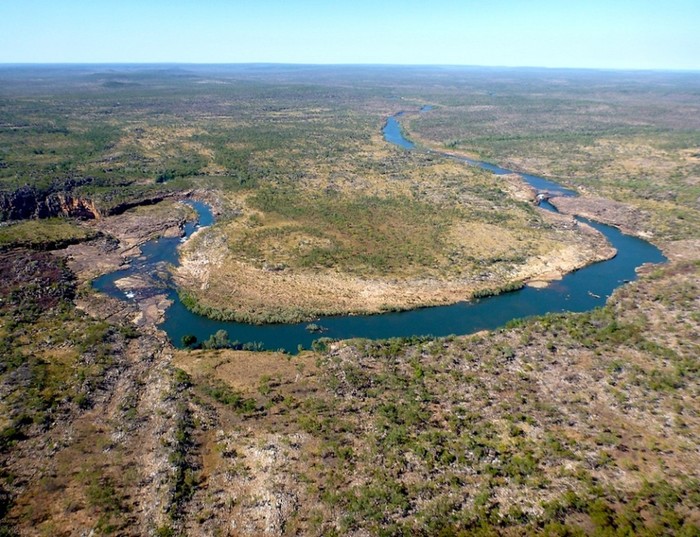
pixel 62 199
pixel 56 200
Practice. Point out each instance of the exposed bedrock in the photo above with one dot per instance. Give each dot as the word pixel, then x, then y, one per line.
pixel 55 200
pixel 59 199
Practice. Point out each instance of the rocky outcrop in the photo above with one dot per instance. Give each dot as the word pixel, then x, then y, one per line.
pixel 55 200
pixel 628 219
pixel 68 205
pixel 60 199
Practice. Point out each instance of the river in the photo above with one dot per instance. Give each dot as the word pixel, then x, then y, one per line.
pixel 578 291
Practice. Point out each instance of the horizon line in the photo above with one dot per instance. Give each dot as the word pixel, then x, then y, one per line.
pixel 347 64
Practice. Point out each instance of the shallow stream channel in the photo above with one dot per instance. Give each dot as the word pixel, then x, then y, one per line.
pixel 577 291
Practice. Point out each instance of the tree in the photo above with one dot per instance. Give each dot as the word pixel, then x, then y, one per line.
pixel 189 341
pixel 219 340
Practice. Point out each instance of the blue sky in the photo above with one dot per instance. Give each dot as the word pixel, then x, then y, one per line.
pixel 627 34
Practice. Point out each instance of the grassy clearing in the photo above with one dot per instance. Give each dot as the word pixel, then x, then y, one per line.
pixel 44 234
pixel 367 235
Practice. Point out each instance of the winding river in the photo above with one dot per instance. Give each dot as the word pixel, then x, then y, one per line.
pixel 578 291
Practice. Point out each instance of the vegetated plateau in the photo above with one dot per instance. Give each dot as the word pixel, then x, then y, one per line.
pixel 565 424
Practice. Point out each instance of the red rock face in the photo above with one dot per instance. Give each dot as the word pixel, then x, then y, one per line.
pixel 76 207
pixel 27 202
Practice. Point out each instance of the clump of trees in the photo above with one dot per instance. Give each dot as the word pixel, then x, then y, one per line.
pixel 220 340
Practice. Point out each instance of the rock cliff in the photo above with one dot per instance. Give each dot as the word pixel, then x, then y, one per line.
pixel 55 200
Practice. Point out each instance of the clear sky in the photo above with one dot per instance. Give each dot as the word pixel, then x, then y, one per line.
pixel 627 34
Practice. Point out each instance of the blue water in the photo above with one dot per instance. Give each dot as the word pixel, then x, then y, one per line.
pixel 578 291
pixel 538 183
pixel 392 133
pixel 156 256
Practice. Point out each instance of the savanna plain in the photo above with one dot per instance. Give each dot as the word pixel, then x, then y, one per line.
pixel 564 424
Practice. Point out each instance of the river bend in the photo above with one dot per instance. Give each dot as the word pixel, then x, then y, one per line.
pixel 578 291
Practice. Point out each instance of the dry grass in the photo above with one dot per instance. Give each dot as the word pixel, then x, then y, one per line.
pixel 533 426
pixel 244 370
pixel 43 234
pixel 450 230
